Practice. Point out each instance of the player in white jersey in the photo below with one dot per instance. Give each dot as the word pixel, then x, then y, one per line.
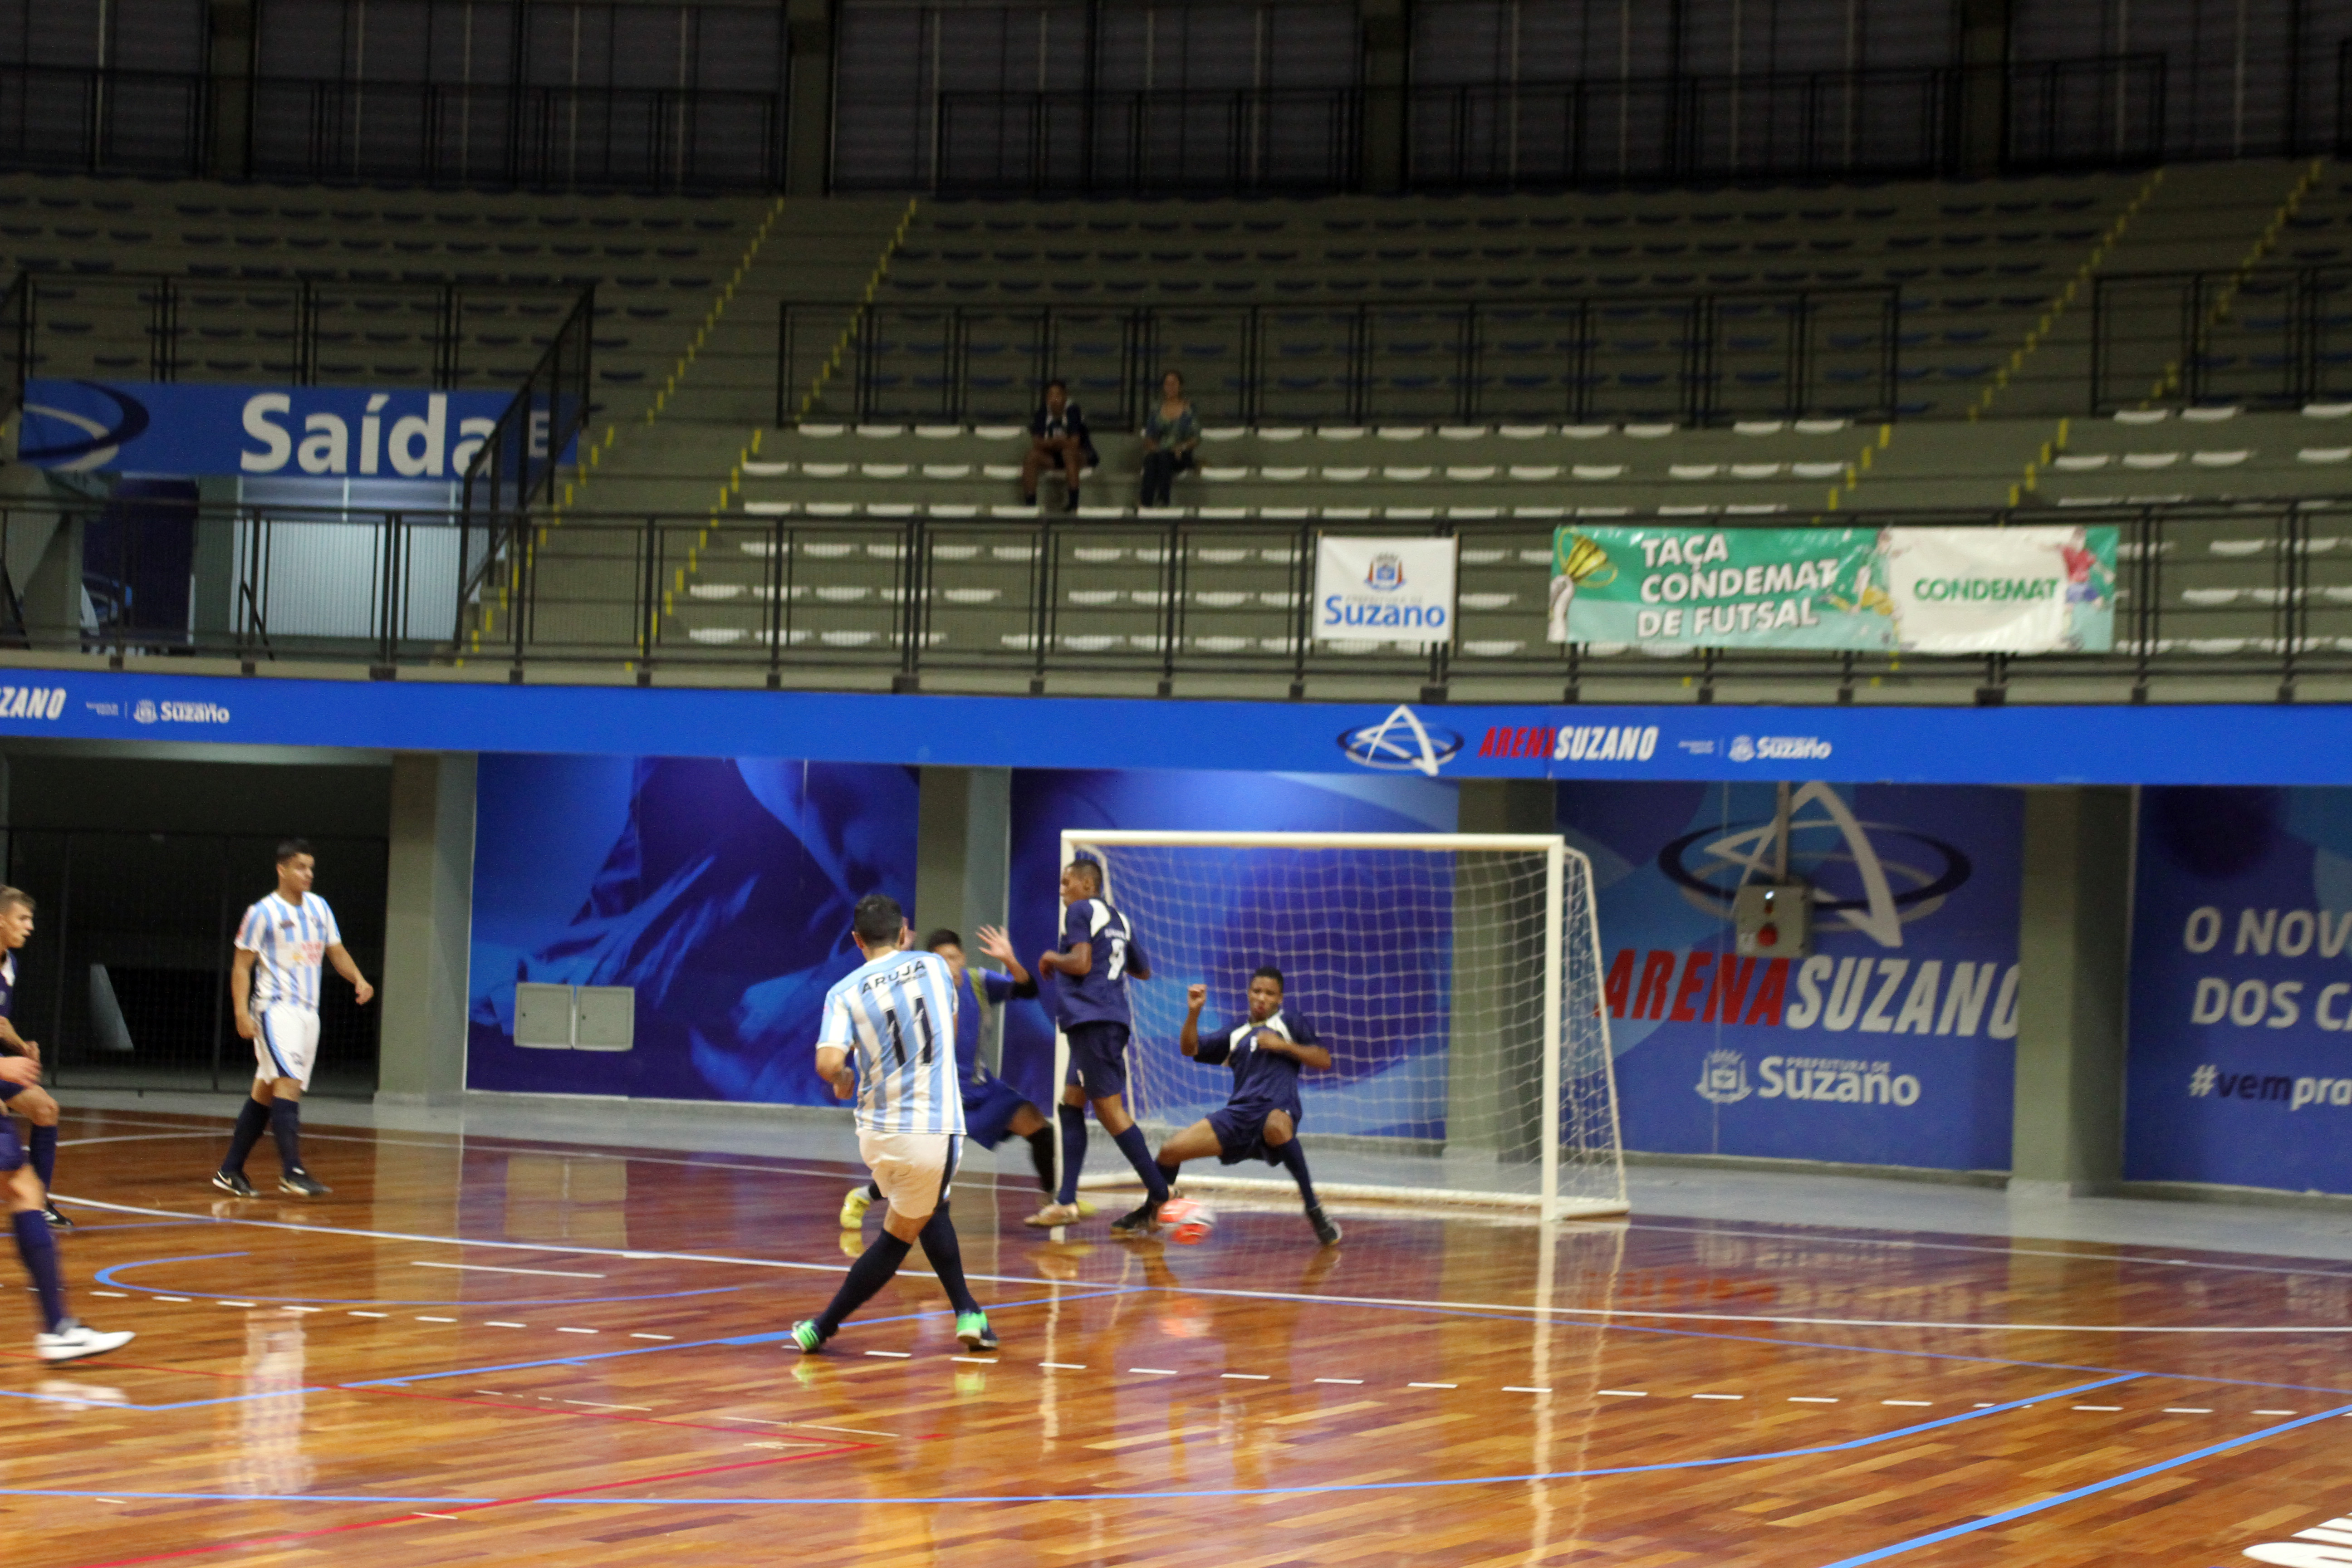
pixel 281 945
pixel 889 1037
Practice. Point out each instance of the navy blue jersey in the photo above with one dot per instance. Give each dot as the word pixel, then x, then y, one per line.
pixel 1099 996
pixel 1263 1080
pixel 999 989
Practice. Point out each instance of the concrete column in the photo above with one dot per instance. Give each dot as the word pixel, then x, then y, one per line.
pixel 962 859
pixel 1489 1112
pixel 231 70
pixel 429 924
pixel 1388 48
pixel 1981 116
pixel 808 138
pixel 2074 942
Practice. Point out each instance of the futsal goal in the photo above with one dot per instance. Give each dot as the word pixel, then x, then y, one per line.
pixel 1455 979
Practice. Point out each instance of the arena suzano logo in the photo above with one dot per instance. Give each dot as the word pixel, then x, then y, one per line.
pixel 1401 742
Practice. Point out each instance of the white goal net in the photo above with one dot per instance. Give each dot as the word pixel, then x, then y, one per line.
pixel 1455 979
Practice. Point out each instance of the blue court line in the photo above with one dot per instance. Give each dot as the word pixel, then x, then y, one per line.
pixel 1310 1488
pixel 2022 1509
pixel 107 1276
pixel 758 1339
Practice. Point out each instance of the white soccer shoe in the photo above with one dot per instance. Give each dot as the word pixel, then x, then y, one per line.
pixel 75 1340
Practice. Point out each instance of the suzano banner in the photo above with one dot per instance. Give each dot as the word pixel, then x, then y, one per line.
pixel 1914 590
pixel 1384 590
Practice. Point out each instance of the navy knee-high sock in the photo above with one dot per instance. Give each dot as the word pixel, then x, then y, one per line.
pixel 39 1251
pixel 250 1120
pixel 1294 1160
pixel 1138 1154
pixel 946 1253
pixel 1073 1119
pixel 1041 1155
pixel 44 1145
pixel 868 1274
pixel 286 1126
pixel 1167 1172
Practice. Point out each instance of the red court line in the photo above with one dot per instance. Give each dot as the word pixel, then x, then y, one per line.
pixel 537 1410
pixel 411 1516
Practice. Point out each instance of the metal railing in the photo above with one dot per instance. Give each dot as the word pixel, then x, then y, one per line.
pixel 2104 111
pixel 276 328
pixel 1699 358
pixel 1118 144
pixel 2250 591
pixel 2267 337
pixel 514 472
pixel 445 134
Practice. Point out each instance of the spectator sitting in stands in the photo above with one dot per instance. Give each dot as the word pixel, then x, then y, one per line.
pixel 1057 439
pixel 1169 436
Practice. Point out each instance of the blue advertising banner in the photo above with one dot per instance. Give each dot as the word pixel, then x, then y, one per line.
pixel 722 890
pixel 192 428
pixel 2240 1061
pixel 2271 744
pixel 1889 1045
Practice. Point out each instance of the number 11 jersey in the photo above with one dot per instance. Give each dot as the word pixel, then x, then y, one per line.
pixel 896 1017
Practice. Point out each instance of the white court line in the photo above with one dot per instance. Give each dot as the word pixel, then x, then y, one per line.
pixel 1818 1399
pixel 892 1355
pixel 1454 1385
pixel 1256 1376
pixel 1093 1287
pixel 2186 1410
pixel 496 1269
pixel 495 1324
pixel 1513 1388
pixel 1718 1396
pixel 2273 1412
pixel 2112 1409
pixel 1914 1403
pixel 1063 1365
pixel 1625 1393
pixel 1351 1382
pixel 579 1330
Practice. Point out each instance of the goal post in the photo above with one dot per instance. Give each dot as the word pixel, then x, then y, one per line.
pixel 1455 978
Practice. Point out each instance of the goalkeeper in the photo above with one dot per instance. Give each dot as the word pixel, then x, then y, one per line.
pixel 1260 1122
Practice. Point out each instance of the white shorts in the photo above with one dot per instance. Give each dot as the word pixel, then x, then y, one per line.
pixel 912 1169
pixel 287 1043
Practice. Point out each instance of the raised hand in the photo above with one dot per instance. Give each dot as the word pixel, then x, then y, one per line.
pixel 996 945
pixel 1196 998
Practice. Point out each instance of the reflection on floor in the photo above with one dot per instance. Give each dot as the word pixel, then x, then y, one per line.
pixel 554 1332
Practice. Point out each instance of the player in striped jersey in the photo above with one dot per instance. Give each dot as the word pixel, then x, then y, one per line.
pixel 29 1100
pixel 889 1037
pixel 281 945
pixel 991 1106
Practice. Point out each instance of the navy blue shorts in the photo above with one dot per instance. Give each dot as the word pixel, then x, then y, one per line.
pixel 1099 1058
pixel 1240 1133
pixel 12 1148
pixel 988 1111
pixel 9 1092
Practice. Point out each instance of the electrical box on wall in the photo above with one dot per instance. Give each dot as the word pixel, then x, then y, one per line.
pixel 575 1018
pixel 1773 920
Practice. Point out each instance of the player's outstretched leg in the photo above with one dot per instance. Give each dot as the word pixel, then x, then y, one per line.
pixel 946 1255
pixel 35 1105
pixel 1282 1140
pixel 252 1116
pixel 61 1338
pixel 286 1126
pixel 1064 1210
pixel 1111 1111
pixel 872 1270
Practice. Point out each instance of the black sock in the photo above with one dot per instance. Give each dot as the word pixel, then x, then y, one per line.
pixel 868 1274
pixel 286 1126
pixel 874 1191
pixel 45 1154
pixel 1073 1119
pixel 946 1253
pixel 1167 1173
pixel 250 1120
pixel 1041 1155
pixel 1294 1159
pixel 39 1252
pixel 1138 1154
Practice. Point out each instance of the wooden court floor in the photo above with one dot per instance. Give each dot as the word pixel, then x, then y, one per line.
pixel 499 1352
